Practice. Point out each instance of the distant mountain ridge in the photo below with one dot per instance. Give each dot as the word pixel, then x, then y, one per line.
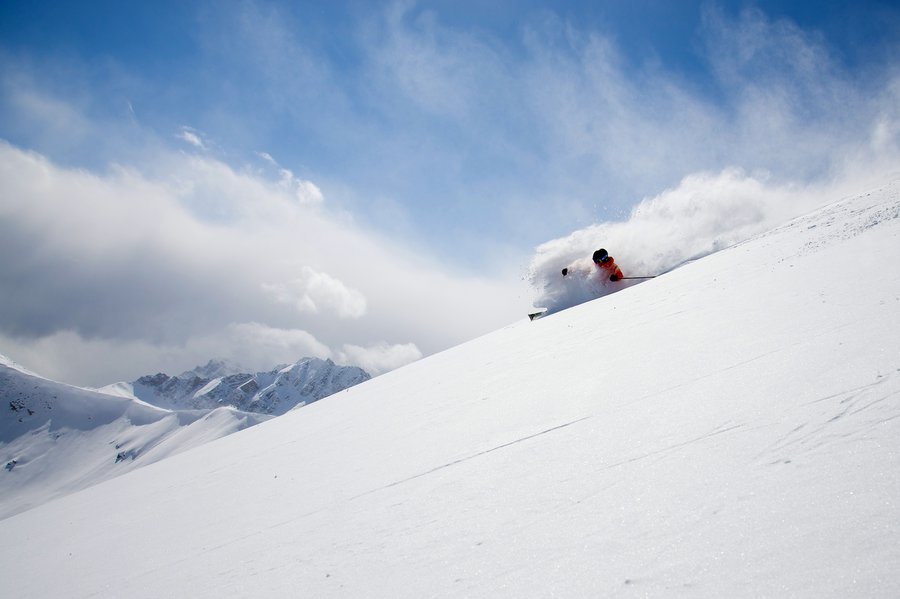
pixel 219 384
pixel 215 368
pixel 56 439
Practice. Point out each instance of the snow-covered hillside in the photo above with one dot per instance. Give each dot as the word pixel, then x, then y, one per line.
pixel 56 439
pixel 730 429
pixel 221 384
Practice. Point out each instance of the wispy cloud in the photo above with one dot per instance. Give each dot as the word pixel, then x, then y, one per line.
pixel 558 121
pixel 190 136
pixel 305 191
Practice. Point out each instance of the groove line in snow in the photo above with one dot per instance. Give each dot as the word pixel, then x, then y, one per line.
pixel 674 446
pixel 471 457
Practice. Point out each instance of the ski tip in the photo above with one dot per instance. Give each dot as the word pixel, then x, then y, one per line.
pixel 536 315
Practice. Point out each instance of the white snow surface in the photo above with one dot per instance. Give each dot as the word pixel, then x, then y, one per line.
pixel 56 439
pixel 729 429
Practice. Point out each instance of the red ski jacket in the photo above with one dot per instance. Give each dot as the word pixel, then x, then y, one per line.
pixel 610 269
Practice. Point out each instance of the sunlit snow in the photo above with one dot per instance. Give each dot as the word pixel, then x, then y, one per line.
pixel 728 429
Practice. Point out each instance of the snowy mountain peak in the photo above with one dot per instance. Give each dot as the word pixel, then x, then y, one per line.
pixel 216 368
pixel 274 392
pixel 56 438
pixel 9 363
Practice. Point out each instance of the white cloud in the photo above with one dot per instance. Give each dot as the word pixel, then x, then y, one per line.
pixel 192 137
pixel 267 346
pixel 306 192
pixel 66 355
pixel 317 292
pixel 379 358
pixel 159 264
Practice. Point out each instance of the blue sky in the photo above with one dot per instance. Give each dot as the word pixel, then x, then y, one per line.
pixel 456 137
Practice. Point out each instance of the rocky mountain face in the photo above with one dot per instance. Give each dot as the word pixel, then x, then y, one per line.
pixel 275 392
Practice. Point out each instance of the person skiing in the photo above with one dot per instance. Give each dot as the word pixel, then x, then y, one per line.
pixel 605 263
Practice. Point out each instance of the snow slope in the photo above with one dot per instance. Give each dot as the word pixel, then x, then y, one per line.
pixel 729 429
pixel 56 439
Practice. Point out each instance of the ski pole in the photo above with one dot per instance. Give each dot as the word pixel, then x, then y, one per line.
pixel 650 277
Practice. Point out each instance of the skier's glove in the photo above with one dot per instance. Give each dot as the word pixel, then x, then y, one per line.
pixel 565 271
pixel 613 278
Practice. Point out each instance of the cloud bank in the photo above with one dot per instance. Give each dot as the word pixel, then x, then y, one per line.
pixel 139 271
pixel 375 193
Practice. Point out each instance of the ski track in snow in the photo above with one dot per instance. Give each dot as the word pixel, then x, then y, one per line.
pixel 473 456
pixel 865 407
pixel 669 448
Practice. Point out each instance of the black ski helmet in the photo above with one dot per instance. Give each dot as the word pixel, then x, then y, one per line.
pixel 601 255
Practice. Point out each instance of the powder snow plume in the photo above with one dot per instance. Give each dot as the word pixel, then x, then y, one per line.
pixel 705 213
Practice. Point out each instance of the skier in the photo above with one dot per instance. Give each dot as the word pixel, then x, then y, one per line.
pixel 608 270
pixel 606 264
